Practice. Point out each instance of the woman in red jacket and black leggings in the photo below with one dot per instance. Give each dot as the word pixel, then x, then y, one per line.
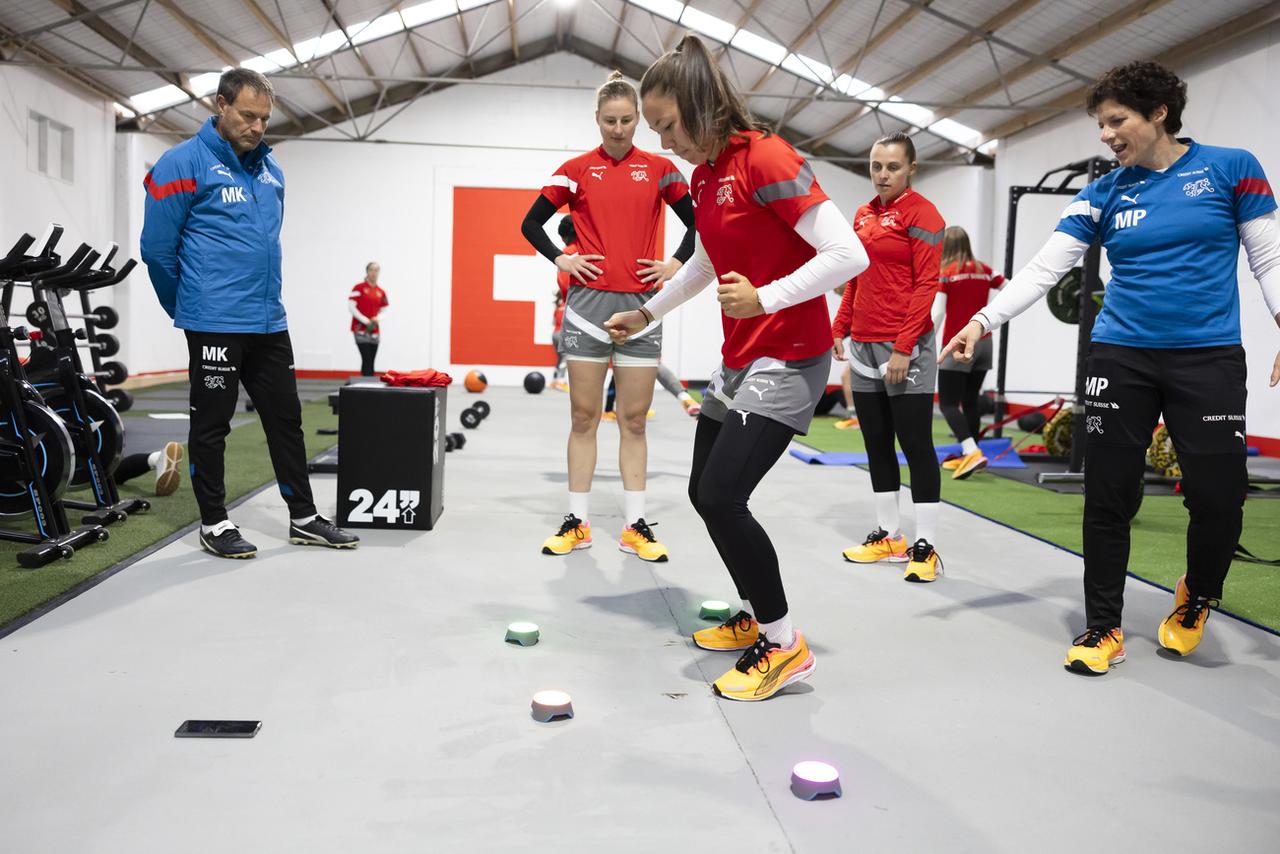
pixel 892 354
pixel 963 289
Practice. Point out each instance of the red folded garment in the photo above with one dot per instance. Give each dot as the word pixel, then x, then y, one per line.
pixel 419 379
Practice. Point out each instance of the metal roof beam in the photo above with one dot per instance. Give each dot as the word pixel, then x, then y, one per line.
pixel 814 23
pixel 283 40
pixel 132 50
pixel 922 72
pixel 1234 29
pixel 202 35
pixel 1090 34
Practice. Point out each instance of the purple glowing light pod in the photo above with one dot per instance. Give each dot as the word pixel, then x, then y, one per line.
pixel 810 780
pixel 551 706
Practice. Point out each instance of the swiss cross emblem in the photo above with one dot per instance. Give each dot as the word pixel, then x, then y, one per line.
pixel 724 194
pixel 639 175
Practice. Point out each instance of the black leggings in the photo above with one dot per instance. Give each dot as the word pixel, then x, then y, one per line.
pixel 958 392
pixel 368 350
pixel 1201 394
pixel 910 418
pixel 134 465
pixel 729 460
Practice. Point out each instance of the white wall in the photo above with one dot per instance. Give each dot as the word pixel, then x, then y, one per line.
pixel 149 342
pixel 29 200
pixel 963 195
pixel 1231 102
pixel 348 203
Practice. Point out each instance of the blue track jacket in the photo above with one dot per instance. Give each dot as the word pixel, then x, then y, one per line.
pixel 211 235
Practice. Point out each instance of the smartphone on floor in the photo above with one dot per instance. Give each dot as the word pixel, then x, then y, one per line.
pixel 218 729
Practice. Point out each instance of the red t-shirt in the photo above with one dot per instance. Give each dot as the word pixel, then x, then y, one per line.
pixel 369 301
pixel 891 300
pixel 617 209
pixel 747 204
pixel 968 286
pixel 563 279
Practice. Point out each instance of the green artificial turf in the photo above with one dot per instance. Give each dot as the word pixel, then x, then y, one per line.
pixel 1158 550
pixel 247 468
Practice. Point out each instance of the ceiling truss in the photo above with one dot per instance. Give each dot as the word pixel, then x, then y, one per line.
pixel 632 27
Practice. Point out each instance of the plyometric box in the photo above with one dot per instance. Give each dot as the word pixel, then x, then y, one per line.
pixel 391 453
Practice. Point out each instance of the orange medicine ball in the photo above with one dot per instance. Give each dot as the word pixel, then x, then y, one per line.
pixel 475 382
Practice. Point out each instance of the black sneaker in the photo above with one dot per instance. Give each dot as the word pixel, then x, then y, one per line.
pixel 227 543
pixel 321 532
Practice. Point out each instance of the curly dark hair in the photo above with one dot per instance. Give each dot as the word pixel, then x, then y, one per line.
pixel 1144 87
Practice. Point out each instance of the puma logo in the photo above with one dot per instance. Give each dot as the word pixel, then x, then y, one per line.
pixel 1242 439
pixel 744 416
pixel 1131 199
pixel 759 391
pixel 774 674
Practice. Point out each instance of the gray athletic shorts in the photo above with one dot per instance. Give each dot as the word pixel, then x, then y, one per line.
pixel 870 359
pixel 786 392
pixel 981 359
pixel 584 338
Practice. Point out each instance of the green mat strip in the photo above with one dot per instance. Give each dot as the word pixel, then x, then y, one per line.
pixel 1158 552
pixel 23 592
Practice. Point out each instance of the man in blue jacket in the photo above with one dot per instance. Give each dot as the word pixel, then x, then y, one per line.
pixel 211 242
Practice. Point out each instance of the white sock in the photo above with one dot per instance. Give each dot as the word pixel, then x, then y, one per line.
pixel 305 519
pixel 779 631
pixel 578 503
pixel 153 458
pixel 968 446
pixel 746 606
pixel 887 512
pixel 633 504
pixel 927 521
pixel 215 530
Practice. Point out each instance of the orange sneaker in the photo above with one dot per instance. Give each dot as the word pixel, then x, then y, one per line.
pixel 638 539
pixel 573 534
pixel 1182 630
pixel 877 547
pixel 765 669
pixel 1095 651
pixel 738 632
pixel 968 464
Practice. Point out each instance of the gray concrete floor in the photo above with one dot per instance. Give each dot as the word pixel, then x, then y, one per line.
pixel 396 719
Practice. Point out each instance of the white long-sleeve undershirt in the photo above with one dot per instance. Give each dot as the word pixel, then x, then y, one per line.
pixel 840 257
pixel 938 312
pixel 1261 240
pixel 1059 254
pixel 355 312
pixel 1259 236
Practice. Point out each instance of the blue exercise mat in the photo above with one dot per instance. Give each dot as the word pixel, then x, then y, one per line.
pixel 990 447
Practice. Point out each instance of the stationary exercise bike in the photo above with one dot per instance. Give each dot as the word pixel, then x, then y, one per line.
pixel 55 370
pixel 36 453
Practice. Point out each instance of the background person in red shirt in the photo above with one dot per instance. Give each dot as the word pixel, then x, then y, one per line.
pixel 570 240
pixel 775 244
pixel 886 312
pixel 366 302
pixel 616 194
pixel 964 287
